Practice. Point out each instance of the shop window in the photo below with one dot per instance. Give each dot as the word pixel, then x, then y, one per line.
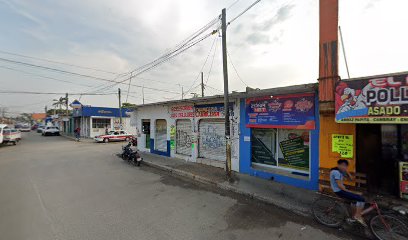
pixel 281 148
pixel 101 122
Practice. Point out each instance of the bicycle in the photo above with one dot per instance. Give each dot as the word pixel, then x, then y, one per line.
pixel 333 212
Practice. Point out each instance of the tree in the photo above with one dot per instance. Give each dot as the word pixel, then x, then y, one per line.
pixel 128 105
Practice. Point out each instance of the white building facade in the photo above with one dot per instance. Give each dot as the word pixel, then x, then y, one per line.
pixel 193 130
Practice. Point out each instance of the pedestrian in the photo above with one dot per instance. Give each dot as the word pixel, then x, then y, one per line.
pixel 337 176
pixel 106 131
pixel 77 133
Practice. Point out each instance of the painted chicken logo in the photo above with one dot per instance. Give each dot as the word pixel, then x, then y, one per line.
pixel 303 105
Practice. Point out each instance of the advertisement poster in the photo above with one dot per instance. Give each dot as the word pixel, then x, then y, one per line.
pixel 343 144
pixel 182 111
pixel 280 111
pixel 376 100
pixel 294 154
pixel 211 111
pixel 404 180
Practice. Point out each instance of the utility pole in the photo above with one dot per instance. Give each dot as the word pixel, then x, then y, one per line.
pixel 66 113
pixel 202 84
pixel 120 109
pixel 66 104
pixel 143 94
pixel 182 93
pixel 226 97
pixel 344 52
pixel 130 81
pixel 45 109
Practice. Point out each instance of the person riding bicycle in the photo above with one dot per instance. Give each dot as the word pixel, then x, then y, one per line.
pixel 337 176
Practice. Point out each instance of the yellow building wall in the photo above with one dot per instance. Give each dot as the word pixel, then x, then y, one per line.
pixel 328 126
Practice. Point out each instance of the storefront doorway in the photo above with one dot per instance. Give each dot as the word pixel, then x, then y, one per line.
pixel 380 148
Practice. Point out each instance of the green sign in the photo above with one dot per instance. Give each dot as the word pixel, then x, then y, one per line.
pixel 172 145
pixel 343 144
pixel 295 154
pixel 172 132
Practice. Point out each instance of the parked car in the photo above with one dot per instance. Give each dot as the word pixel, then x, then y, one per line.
pixel 11 136
pixel 40 128
pixel 51 131
pixel 2 128
pixel 34 127
pixel 25 128
pixel 114 136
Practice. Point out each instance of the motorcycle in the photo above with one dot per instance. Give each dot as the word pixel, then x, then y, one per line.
pixel 130 155
pixel 135 158
pixel 126 151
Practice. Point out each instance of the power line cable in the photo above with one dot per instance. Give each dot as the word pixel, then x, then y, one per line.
pixel 232 4
pixel 176 53
pixel 37 75
pixel 205 62
pixel 243 12
pixel 235 69
pixel 214 88
pixel 77 74
pixel 57 62
pixel 212 62
pixel 50 93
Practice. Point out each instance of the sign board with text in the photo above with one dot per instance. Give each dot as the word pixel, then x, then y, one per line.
pixel 286 111
pixel 373 100
pixel 343 144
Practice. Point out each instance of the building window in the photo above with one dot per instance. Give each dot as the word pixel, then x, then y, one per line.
pixel 281 148
pixel 101 122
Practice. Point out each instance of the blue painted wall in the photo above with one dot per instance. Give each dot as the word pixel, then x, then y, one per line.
pixel 88 111
pixel 152 150
pixel 245 155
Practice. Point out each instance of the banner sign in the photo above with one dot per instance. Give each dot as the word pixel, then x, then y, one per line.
pixel 295 154
pixel 290 111
pixel 376 100
pixel 212 110
pixel 200 111
pixel 343 144
pixel 182 111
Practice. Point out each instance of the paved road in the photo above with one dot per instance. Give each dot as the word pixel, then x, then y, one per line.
pixel 54 188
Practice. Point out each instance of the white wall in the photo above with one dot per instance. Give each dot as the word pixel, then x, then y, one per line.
pixel 151 113
pixel 163 112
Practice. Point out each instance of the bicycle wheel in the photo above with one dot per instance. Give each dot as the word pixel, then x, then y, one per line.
pixel 328 212
pixel 386 227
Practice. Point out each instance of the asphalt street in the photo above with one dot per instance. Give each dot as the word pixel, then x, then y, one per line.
pixel 55 188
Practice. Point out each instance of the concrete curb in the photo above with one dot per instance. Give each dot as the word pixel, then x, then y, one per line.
pixel 225 186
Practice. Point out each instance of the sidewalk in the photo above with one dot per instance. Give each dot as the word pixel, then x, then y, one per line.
pixel 294 199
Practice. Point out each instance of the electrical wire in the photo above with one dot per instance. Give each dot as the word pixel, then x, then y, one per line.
pixel 243 12
pixel 168 58
pixel 56 79
pixel 49 93
pixel 232 4
pixel 211 65
pixel 235 69
pixel 202 67
pixel 57 62
pixel 77 74
pixel 213 88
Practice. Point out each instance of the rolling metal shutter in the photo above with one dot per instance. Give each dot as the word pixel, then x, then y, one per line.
pixel 212 139
pixel 161 135
pixel 183 137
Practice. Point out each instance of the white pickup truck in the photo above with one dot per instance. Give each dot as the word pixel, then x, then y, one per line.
pixel 9 135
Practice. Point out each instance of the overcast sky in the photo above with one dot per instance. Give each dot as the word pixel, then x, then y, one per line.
pixel 274 44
